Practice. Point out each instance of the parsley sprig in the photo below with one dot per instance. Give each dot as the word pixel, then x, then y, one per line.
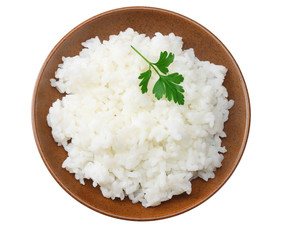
pixel 166 84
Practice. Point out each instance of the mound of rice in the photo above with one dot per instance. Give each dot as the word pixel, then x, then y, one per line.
pixel 129 143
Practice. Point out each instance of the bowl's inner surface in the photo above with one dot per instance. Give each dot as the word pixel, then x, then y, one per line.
pixel 148 21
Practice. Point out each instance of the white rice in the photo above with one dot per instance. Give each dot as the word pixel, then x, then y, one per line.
pixel 129 143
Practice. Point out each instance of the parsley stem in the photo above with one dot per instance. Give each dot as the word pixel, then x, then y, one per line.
pixel 150 63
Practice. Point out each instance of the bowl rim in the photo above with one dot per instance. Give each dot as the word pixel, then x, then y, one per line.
pixel 161 10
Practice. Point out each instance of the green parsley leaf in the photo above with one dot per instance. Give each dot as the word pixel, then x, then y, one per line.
pixel 144 83
pixel 164 61
pixel 172 90
pixel 166 84
pixel 159 89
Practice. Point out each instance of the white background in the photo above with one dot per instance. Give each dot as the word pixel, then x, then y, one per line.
pixel 253 204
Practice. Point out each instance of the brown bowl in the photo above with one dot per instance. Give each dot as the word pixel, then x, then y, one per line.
pixel 144 20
